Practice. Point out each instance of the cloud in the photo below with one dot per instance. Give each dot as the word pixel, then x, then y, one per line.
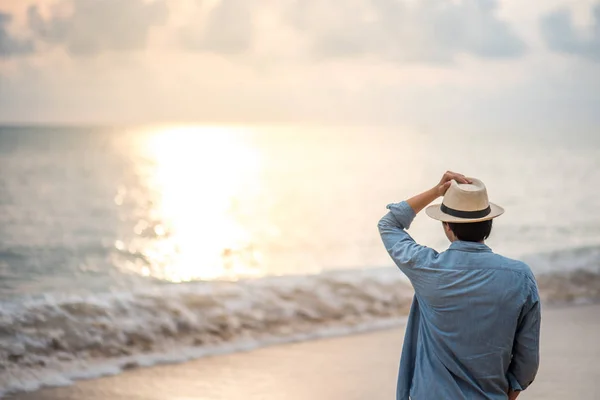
pixel 425 31
pixel 228 29
pixel 10 45
pixel 388 61
pixel 562 36
pixel 431 31
pixel 95 26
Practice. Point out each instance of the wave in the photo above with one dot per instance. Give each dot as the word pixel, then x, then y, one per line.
pixel 55 340
pixel 568 276
pixel 51 341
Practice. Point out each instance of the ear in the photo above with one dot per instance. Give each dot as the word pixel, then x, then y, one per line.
pixel 446 227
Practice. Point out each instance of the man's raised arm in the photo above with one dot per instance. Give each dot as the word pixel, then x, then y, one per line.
pixel 399 244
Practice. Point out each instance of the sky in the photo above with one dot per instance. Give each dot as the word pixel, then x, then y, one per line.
pixel 503 64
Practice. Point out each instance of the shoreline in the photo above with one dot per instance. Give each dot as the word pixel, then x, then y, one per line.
pixel 93 337
pixel 358 366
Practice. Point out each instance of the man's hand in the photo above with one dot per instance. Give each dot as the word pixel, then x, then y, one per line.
pixel 446 181
pixel 422 200
pixel 512 395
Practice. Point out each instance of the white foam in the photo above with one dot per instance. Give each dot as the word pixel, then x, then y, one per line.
pixel 52 341
pixel 27 380
pixel 55 340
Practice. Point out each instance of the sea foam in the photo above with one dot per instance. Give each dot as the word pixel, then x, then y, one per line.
pixel 55 340
pixel 52 341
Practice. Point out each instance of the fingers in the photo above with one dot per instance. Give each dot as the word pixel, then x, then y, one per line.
pixel 460 178
pixel 445 187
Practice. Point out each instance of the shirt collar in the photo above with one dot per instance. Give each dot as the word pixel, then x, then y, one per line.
pixel 472 247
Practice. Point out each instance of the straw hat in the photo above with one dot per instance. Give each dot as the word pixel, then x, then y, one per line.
pixel 465 202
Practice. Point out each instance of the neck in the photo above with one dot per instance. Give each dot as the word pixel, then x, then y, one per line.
pixel 458 240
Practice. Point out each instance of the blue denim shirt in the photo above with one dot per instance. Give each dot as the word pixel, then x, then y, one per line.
pixel 473 329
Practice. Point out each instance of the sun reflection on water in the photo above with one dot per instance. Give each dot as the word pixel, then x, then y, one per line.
pixel 196 177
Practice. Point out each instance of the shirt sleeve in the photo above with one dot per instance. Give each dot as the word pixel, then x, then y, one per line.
pixel 409 256
pixel 526 348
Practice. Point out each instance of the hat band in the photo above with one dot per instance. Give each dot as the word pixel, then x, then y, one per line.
pixel 465 214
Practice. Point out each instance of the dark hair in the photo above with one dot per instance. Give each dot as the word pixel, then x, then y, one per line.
pixel 472 231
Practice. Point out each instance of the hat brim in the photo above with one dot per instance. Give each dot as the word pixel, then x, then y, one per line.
pixel 435 212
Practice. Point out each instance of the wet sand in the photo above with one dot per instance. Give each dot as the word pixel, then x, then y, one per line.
pixel 349 368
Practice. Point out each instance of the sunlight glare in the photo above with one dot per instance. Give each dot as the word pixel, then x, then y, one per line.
pixel 197 175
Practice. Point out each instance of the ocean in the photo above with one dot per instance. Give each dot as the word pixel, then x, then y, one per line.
pixel 126 247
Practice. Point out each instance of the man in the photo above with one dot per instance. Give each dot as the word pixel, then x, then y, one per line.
pixel 473 329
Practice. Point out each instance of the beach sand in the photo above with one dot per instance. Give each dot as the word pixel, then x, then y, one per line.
pixel 350 368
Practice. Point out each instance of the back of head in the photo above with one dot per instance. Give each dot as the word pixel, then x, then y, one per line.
pixel 471 231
